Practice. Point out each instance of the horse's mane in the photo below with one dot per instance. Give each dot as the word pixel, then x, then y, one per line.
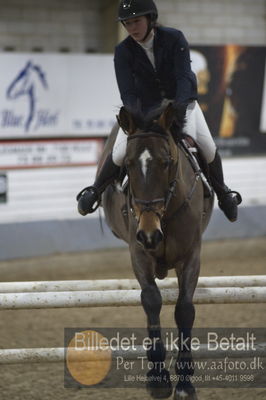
pixel 149 121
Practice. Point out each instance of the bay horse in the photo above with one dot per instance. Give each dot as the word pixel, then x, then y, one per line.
pixel 162 216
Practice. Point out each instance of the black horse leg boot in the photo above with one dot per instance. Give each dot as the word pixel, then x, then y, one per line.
pixel 89 198
pixel 228 200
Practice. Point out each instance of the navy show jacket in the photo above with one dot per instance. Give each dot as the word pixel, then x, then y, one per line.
pixel 141 85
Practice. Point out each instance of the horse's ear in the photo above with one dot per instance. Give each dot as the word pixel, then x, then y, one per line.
pixel 126 121
pixel 167 117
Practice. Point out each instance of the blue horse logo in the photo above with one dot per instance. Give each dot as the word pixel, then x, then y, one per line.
pixel 25 84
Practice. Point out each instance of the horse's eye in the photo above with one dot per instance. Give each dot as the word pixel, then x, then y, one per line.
pixel 165 163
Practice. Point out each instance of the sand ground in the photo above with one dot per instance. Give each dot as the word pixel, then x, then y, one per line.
pixel 45 328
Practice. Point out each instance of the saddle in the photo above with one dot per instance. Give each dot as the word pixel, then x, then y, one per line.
pixel 197 161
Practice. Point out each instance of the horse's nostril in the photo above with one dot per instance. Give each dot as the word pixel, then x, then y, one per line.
pixel 141 237
pixel 158 236
pixel 149 241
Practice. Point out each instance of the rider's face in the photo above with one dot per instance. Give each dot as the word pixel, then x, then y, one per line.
pixel 137 27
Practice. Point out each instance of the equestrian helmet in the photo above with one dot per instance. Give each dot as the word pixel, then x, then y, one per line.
pixel 136 8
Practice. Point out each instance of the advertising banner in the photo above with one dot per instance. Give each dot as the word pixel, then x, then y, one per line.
pixel 232 94
pixel 75 96
pixel 3 188
pixel 17 154
pixel 57 95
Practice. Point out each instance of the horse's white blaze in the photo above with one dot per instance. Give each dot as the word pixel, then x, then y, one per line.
pixel 144 158
pixel 149 226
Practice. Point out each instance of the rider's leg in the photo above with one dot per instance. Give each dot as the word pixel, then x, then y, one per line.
pixel 228 200
pixel 89 197
pixel 197 127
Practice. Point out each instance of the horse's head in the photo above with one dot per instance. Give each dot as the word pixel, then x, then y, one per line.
pixel 151 163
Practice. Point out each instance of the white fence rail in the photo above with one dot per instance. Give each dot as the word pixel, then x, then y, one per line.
pixel 126 284
pixel 119 298
pixel 58 354
pixel 211 290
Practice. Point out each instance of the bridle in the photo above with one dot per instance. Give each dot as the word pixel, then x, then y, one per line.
pixel 149 205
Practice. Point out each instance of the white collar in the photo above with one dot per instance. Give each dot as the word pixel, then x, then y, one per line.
pixel 148 44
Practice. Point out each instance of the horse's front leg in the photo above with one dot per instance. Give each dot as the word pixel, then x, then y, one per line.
pixel 158 378
pixel 184 317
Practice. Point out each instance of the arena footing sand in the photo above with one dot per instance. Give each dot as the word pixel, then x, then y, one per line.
pixel 45 328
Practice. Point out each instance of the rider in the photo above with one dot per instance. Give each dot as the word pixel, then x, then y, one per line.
pixel 152 66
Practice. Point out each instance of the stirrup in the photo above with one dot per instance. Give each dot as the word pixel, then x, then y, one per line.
pixel 228 203
pixel 98 194
pixel 82 191
pixel 237 196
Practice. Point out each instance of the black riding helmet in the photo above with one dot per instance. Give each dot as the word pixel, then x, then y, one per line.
pixel 136 8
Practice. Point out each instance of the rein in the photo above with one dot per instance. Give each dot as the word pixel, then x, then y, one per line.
pixel 186 201
pixel 148 134
pixel 188 197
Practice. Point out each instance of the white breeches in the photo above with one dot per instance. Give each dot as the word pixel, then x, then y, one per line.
pixel 195 126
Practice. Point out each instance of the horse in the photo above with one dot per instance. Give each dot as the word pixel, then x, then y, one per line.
pixel 161 215
pixel 25 84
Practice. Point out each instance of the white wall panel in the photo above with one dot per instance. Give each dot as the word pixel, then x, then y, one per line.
pixel 49 194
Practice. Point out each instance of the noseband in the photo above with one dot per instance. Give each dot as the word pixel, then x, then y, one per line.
pixel 148 205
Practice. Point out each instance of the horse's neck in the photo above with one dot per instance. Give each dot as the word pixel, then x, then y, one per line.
pixel 185 175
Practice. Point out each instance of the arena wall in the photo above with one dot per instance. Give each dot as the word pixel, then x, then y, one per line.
pixel 50 25
pixel 88 25
pixel 217 21
pixel 41 218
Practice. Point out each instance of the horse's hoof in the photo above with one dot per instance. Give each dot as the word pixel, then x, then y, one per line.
pixel 159 384
pixel 187 393
pixel 182 395
pixel 185 396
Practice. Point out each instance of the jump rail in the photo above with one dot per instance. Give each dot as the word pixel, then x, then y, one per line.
pixel 118 298
pixel 53 355
pixel 127 284
pixel 125 292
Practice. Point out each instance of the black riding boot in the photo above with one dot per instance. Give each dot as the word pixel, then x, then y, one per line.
pixel 92 194
pixel 228 200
